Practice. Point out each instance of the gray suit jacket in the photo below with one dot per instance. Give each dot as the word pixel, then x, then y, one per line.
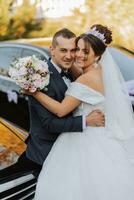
pixel 45 127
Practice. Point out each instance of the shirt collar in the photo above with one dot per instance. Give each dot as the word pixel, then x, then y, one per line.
pixel 56 66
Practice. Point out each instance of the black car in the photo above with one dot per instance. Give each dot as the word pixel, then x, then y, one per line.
pixel 22 184
pixel 13 105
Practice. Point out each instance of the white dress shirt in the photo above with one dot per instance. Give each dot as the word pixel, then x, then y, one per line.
pixel 65 79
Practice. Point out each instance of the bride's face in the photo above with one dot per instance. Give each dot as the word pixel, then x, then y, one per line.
pixel 85 55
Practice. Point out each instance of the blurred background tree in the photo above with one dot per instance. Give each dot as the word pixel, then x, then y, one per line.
pixel 4 17
pixel 17 22
pixel 22 20
pixel 28 20
pixel 119 16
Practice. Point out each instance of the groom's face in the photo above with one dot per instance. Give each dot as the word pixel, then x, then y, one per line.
pixel 63 52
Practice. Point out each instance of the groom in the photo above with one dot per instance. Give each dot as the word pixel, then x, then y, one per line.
pixel 45 127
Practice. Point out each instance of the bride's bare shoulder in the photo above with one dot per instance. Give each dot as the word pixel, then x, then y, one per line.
pixel 92 79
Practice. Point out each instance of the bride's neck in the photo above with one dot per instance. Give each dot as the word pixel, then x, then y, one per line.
pixel 87 69
pixel 91 67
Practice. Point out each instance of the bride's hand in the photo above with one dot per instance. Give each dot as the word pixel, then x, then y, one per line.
pixel 26 92
pixel 96 118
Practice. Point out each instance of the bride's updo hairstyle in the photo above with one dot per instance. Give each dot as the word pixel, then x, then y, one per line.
pixel 98 37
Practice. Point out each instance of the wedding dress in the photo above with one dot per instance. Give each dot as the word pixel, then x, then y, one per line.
pixel 89 165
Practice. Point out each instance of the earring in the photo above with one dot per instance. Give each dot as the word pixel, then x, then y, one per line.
pixel 95 63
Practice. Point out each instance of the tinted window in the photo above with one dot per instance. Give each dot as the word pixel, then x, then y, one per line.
pixel 7 55
pixel 30 52
pixel 11 143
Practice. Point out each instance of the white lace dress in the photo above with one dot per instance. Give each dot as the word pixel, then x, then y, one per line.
pixel 88 165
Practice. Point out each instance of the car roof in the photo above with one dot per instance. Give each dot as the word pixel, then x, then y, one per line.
pixel 30 46
pixel 41 41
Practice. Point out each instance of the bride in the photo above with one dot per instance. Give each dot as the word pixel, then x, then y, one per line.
pixel 98 164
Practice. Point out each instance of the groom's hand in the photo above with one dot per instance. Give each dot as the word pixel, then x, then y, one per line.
pixel 95 118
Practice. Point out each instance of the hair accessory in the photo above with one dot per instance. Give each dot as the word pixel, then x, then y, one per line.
pixel 97 34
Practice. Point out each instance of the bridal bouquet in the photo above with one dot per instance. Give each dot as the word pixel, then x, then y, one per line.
pixel 30 73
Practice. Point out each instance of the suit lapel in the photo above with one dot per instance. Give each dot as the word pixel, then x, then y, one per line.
pixel 59 82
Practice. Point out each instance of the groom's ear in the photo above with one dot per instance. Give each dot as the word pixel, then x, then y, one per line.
pixel 52 50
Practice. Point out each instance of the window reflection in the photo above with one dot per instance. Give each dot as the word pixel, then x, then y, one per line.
pixel 11 143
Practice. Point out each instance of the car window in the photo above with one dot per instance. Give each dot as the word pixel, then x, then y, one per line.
pixel 11 143
pixel 7 56
pixel 7 84
pixel 30 52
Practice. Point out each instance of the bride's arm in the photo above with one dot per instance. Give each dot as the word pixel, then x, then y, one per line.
pixel 68 104
pixel 60 109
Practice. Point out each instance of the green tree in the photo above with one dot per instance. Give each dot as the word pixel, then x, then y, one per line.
pixel 4 16
pixel 23 20
pixel 17 22
pixel 118 16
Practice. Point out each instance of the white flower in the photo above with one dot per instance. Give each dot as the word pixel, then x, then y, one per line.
pixel 22 71
pixel 46 80
pixel 24 86
pixel 36 77
pixel 38 83
pixel 32 88
pixel 13 72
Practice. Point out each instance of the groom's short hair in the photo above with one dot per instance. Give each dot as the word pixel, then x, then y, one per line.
pixel 65 33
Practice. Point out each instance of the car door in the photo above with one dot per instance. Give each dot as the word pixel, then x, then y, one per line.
pixel 13 106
